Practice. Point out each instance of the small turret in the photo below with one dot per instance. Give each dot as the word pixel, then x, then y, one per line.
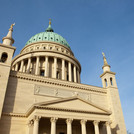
pixel 8 40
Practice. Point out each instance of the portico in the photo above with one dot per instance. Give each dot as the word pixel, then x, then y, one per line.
pixel 52 118
pixel 55 125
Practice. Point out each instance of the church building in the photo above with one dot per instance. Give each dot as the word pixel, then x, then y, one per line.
pixel 41 90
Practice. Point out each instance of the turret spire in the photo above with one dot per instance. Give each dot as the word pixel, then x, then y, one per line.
pixel 8 40
pixel 104 59
pixel 105 67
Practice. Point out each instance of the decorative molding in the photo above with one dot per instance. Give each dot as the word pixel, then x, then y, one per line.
pixel 106 73
pixel 15 115
pixel 70 110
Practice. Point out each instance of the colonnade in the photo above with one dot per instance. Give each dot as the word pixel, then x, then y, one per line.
pixel 53 121
pixel 71 74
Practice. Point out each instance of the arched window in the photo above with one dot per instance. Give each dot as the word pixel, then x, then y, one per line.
pixel 4 57
pixel 111 81
pixel 105 80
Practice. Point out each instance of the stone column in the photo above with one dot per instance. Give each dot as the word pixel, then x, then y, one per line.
pixel 29 126
pixel 108 127
pixel 75 80
pixel 28 65
pixel 0 55
pixel 36 125
pixel 37 65
pixel 16 66
pixel 46 66
pixel 21 66
pixel 53 125
pixel 78 76
pixel 96 127
pixel 55 67
pixel 83 126
pixel 69 126
pixel 63 69
pixel 70 71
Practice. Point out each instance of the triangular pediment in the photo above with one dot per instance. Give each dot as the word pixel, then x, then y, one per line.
pixel 74 104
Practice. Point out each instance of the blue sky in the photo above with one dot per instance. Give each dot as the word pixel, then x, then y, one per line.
pixel 90 27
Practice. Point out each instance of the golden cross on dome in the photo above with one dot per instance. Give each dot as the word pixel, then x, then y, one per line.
pixel 49 21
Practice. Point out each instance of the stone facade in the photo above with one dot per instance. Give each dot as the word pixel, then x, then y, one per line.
pixel 41 93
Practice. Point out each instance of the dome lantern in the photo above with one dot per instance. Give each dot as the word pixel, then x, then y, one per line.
pixel 49 29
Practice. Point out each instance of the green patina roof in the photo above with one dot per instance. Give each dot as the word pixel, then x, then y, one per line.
pixel 48 35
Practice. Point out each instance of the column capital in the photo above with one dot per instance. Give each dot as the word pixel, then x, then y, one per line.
pixel 53 119
pixel 69 121
pixel 83 121
pixel 36 118
pixel 107 123
pixel 96 122
pixel 30 123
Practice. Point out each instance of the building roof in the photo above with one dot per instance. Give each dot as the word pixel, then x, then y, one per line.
pixel 48 35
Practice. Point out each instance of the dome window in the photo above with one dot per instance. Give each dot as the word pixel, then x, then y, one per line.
pixel 51 38
pixel 45 37
pixel 57 39
pixel 39 37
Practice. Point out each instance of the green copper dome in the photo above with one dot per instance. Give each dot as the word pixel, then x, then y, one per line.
pixel 48 35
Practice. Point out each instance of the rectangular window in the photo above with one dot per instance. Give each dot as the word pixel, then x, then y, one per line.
pixel 42 72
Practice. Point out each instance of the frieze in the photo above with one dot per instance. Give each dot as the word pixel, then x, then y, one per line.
pixel 61 93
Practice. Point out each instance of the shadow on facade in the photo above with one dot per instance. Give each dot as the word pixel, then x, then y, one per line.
pixel 9 104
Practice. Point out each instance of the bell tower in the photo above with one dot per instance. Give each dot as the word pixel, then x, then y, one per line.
pixel 6 54
pixel 109 82
pixel 108 77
